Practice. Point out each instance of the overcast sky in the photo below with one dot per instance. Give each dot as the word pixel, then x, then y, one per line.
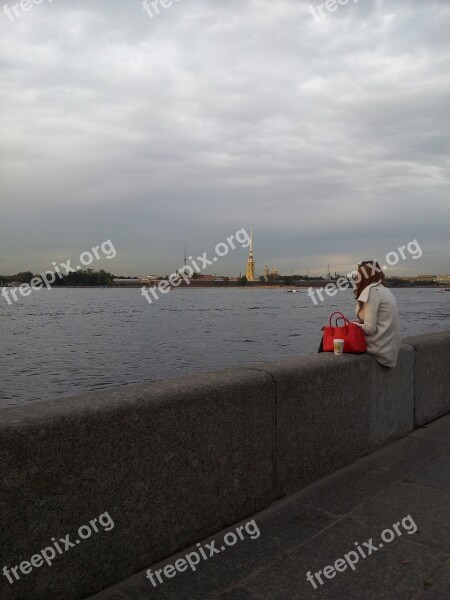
pixel 329 136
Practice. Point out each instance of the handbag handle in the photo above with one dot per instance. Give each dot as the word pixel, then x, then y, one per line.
pixel 341 317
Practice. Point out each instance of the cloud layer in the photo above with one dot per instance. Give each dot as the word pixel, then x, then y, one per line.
pixel 329 137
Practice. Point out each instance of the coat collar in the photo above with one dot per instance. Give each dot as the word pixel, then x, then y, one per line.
pixel 364 295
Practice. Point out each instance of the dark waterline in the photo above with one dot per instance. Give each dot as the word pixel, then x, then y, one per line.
pixel 62 342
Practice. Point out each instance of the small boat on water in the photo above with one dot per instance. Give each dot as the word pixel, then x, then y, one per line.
pixel 293 291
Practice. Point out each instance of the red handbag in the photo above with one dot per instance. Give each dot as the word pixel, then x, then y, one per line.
pixel 352 334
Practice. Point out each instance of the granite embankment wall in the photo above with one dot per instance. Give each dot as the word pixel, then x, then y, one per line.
pixel 173 462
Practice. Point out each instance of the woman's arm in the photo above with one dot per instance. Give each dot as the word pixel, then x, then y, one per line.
pixel 371 313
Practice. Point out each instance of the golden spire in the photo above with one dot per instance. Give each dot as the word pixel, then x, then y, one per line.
pixel 250 274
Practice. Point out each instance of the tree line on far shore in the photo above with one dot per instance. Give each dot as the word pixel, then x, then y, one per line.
pixel 77 278
pixel 89 277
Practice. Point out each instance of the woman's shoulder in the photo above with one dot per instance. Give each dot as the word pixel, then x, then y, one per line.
pixel 384 292
pixel 374 291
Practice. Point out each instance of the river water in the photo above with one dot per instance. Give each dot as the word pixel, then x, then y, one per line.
pixel 66 341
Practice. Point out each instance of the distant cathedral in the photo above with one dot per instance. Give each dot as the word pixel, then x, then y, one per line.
pixel 250 274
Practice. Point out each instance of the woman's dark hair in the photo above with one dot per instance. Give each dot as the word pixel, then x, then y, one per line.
pixel 369 271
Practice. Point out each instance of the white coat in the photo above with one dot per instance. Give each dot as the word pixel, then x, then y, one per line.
pixel 379 320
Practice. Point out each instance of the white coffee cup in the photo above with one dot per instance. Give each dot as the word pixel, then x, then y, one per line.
pixel 338 346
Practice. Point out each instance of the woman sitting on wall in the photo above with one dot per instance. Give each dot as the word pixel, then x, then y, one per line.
pixel 376 309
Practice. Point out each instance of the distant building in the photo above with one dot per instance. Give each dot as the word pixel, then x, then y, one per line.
pixel 126 281
pixel 443 279
pixel 250 273
pixel 268 276
pixel 201 277
pixel 149 280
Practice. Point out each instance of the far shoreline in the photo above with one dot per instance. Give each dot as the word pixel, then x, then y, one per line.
pixel 236 287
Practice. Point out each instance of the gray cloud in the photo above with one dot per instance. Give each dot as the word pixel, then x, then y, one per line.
pixel 330 138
